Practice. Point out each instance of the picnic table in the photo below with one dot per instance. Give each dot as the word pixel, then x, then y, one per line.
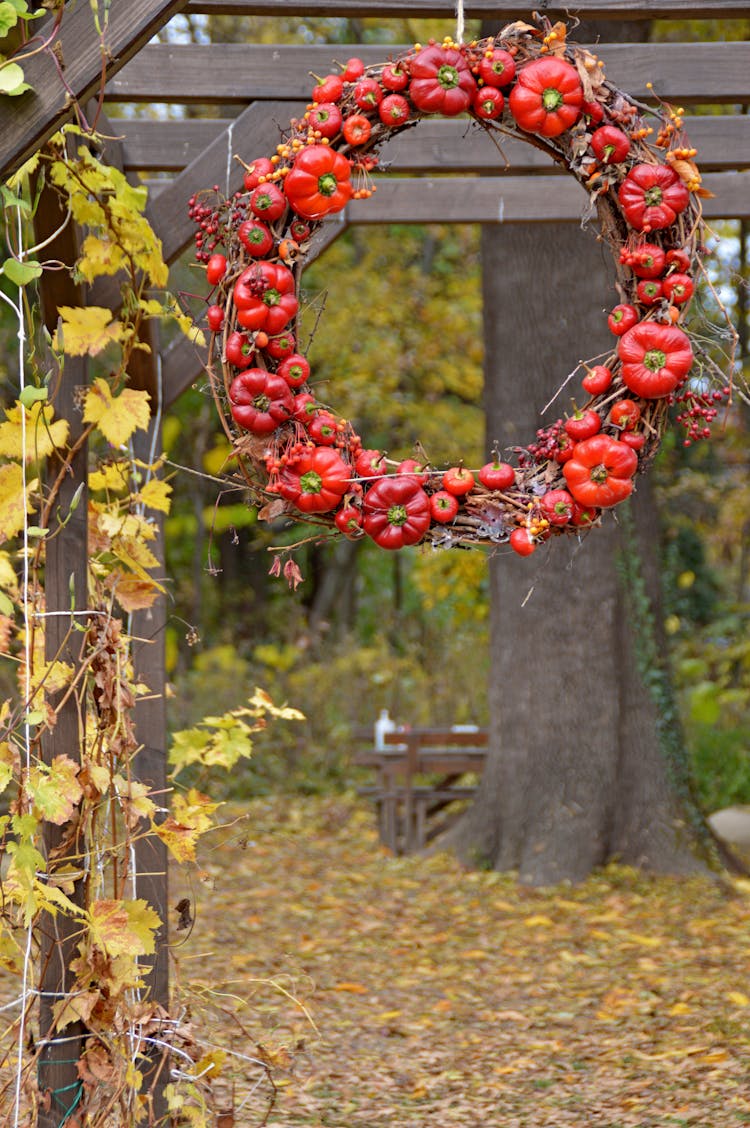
pixel 420 773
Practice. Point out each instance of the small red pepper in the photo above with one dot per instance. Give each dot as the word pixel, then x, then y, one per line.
pixel 397 511
pixel 600 473
pixel 260 401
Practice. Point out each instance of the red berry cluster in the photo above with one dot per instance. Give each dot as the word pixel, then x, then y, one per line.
pixel 213 219
pixel 699 412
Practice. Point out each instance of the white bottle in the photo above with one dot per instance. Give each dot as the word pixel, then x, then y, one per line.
pixel 383 725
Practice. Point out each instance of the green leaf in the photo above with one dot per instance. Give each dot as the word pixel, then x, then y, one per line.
pixel 6 605
pixel 11 200
pixel 32 394
pixel 8 17
pixel 33 718
pixel 11 80
pixel 20 273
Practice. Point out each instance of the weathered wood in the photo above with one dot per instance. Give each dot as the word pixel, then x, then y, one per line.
pixel 687 73
pixel 147 629
pixel 723 142
pixel 504 9
pixel 66 600
pixel 28 120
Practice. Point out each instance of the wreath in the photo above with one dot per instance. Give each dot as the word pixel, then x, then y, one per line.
pixel 299 458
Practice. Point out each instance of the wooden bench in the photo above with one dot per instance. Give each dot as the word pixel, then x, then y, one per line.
pixel 419 774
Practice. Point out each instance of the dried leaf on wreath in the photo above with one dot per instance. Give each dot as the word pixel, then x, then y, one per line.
pixel 590 72
pixel 273 510
pixel 518 27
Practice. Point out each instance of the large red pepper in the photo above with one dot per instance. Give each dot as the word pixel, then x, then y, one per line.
pixel 265 298
pixel 317 482
pixel 655 358
pixel 441 81
pixel 397 511
pixel 600 473
pixel 260 401
pixel 652 196
pixel 547 97
pixel 319 182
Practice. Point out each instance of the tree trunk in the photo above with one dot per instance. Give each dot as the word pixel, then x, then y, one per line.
pixel 576 775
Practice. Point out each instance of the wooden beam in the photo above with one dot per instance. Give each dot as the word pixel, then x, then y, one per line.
pixel 66 603
pixel 27 121
pixel 723 142
pixel 504 9
pixel 514 199
pixel 219 73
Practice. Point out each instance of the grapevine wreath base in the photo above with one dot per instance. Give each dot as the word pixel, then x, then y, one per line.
pixel 299 458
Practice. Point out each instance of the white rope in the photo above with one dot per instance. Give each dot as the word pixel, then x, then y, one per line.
pixel 459 21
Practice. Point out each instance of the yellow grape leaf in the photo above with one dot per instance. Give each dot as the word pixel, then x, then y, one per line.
pixel 99 256
pixel 679 1008
pixel 14 503
pixel 155 494
pixel 6 770
pixel 134 800
pixel 739 998
pixel 123 928
pixel 261 702
pixel 114 523
pixel 42 435
pixel 87 332
pixel 181 832
pixel 8 577
pixel 117 417
pixel 180 840
pixel 136 555
pixel 211 1064
pixel 131 593
pixel 55 790
pixel 111 476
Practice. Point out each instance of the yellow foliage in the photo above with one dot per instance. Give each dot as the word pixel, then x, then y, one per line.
pixel 42 435
pixel 15 503
pixel 87 332
pixel 117 417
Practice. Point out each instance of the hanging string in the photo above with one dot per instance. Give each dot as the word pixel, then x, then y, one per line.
pixel 459 21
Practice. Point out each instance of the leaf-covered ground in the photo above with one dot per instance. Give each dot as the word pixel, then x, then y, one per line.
pixel 443 997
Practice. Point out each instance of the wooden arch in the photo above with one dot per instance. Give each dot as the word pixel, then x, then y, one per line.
pixel 181 157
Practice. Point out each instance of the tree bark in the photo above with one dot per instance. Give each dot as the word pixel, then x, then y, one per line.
pixel 575 775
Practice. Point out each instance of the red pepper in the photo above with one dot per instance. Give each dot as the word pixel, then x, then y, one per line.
pixel 368 94
pixel 353 70
pixel 325 119
pixel 295 369
pixel 679 259
pixel 253 172
pixel 655 359
pixel 557 506
pixel 255 237
pixel 458 480
pixel 370 464
pixel 216 268
pixel 583 424
pixel 322 428
pixel 497 475
pixel 349 521
pixel 357 129
pixel 650 291
pixel 678 288
pixel 394 77
pixel 215 318
pixel 415 468
pixel 625 414
pixel 443 506
pixel 240 350
pixel 260 401
pixel 600 473
pixel 547 97
pixel 522 542
pixel 610 144
pixel 329 90
pixel 268 201
pixel 597 380
pixel 319 182
pixel 317 481
pixel 397 511
pixel 652 196
pixel 622 318
pixel 264 297
pixel 497 68
pixel 394 110
pixel 647 260
pixel 441 82
pixel 488 103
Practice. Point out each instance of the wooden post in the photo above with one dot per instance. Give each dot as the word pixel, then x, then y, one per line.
pixel 150 764
pixel 66 595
